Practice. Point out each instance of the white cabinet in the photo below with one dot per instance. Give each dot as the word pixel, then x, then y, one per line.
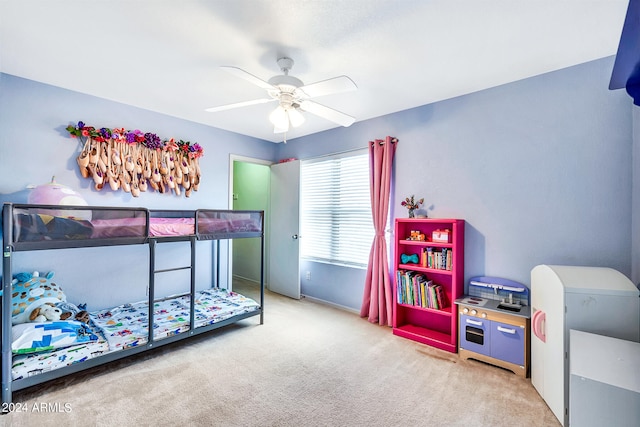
pixel 605 381
pixel 589 299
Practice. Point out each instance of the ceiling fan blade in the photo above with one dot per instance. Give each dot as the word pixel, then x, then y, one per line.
pixel 239 104
pixel 327 113
pixel 329 86
pixel 248 77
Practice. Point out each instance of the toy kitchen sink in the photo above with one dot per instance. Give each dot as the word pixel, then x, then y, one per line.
pixel 493 324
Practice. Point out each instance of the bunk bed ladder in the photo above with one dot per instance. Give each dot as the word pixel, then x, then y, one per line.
pixel 152 274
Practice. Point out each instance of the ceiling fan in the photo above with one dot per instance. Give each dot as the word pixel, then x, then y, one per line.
pixel 293 97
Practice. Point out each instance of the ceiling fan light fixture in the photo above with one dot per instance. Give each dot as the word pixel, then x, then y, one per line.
pixel 295 117
pixel 285 115
pixel 279 117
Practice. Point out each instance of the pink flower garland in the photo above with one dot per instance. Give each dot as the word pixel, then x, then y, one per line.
pixel 148 139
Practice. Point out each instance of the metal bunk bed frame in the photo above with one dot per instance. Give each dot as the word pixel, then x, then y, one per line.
pixel 10 245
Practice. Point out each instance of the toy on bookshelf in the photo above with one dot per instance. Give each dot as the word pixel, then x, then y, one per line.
pixel 412 258
pixel 416 235
pixel 441 236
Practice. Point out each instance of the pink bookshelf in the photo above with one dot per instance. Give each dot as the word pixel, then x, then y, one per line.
pixel 439 263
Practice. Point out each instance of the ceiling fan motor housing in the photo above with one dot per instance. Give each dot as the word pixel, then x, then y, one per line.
pixel 286 83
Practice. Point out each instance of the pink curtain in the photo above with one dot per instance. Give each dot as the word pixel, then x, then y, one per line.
pixel 377 301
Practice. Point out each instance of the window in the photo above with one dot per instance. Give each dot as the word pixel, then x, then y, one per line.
pixel 335 210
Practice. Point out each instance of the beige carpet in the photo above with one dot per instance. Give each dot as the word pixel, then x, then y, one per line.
pixel 308 365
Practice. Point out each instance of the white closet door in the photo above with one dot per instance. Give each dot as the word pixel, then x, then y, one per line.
pixel 284 239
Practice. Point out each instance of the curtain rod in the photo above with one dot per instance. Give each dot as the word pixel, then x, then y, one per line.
pixel 382 141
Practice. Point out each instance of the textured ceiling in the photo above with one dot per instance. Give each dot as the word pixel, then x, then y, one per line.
pixel 164 56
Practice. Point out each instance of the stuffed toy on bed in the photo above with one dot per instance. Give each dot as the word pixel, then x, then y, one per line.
pixel 45 313
pixel 71 311
pixel 30 292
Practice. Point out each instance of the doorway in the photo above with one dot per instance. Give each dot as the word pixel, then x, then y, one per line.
pixel 248 190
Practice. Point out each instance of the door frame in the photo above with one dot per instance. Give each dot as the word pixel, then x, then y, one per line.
pixel 238 158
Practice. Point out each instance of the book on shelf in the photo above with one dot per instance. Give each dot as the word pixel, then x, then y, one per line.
pixel 414 288
pixel 433 302
pixel 439 299
pixel 437 259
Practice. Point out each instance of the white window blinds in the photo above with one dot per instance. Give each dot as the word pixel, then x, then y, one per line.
pixel 335 210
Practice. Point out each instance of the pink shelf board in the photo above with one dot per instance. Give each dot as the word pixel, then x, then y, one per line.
pixel 443 312
pixel 427 336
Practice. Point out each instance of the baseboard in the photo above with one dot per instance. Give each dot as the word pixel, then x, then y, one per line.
pixel 312 299
pixel 331 304
pixel 246 279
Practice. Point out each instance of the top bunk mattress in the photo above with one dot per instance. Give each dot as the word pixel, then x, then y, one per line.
pixel 33 226
pixel 159 227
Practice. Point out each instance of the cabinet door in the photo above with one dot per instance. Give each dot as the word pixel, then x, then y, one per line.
pixel 475 334
pixel 507 342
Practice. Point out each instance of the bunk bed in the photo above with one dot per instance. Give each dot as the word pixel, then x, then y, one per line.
pixel 33 353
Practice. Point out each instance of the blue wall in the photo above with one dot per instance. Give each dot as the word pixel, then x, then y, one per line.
pixel 540 169
pixel 34 146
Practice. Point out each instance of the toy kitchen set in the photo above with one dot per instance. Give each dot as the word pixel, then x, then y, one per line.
pixel 493 323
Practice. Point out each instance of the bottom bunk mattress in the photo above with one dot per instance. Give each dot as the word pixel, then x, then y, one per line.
pixel 127 325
